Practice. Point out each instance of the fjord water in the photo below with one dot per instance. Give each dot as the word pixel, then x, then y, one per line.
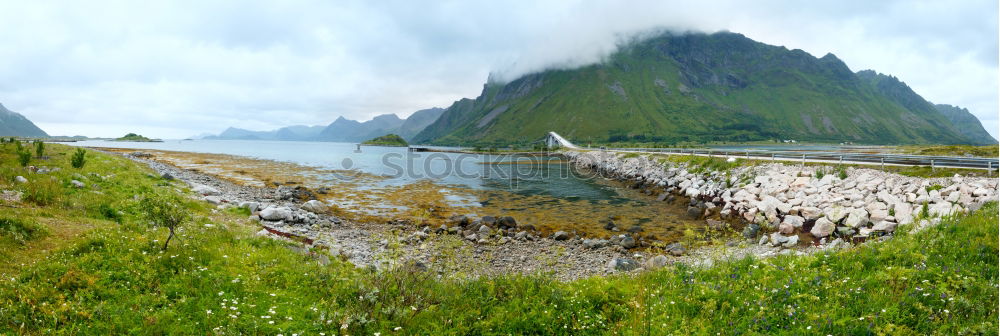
pixel 521 175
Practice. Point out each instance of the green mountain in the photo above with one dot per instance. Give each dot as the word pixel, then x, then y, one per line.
pixel 967 124
pixel 697 87
pixel 15 124
pixel 418 121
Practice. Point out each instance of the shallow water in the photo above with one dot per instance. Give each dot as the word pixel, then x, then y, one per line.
pixel 429 187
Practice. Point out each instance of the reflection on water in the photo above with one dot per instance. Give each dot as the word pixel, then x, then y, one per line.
pixel 381 182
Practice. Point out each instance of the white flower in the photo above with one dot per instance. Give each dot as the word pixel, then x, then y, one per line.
pixel 209 312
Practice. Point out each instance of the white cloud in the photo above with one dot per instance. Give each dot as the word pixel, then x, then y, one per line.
pixel 178 68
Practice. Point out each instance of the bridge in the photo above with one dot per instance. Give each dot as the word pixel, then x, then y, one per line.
pixel 554 140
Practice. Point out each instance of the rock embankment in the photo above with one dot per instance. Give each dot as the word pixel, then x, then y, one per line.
pixel 799 204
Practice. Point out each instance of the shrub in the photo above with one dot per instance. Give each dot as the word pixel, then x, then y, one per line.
pixel 820 173
pixel 842 172
pixel 39 148
pixel 79 158
pixel 164 211
pixel 23 158
pixel 42 191
pixel 20 230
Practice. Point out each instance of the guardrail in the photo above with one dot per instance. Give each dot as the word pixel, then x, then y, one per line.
pixel 839 157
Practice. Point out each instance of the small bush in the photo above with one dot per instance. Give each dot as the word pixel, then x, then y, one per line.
pixel 820 173
pixel 42 191
pixel 842 172
pixel 164 211
pixel 20 230
pixel 79 158
pixel 23 158
pixel 39 148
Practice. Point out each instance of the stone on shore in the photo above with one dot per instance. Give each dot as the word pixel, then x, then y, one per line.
pixel 622 264
pixel 823 228
pixel 560 235
pixel 276 214
pixel 205 190
pixel 315 206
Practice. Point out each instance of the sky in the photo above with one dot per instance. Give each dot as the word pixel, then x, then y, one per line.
pixel 174 69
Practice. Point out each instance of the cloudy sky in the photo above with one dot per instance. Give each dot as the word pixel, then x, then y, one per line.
pixel 173 69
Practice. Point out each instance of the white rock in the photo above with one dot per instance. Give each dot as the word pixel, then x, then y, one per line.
pixel 810 212
pixel 77 184
pixel 856 218
pixel 885 226
pixel 823 228
pixel 20 179
pixel 276 214
pixel 252 206
pixel 315 206
pixel 213 199
pixel 205 190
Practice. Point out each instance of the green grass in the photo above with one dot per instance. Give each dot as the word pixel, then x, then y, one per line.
pixel 991 151
pixel 219 278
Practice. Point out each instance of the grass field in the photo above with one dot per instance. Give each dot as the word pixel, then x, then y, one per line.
pixel 86 261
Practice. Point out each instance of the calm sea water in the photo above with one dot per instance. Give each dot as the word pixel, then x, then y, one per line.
pixel 529 177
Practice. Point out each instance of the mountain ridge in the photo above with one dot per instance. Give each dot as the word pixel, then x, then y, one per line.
pixel 15 124
pixel 341 129
pixel 697 87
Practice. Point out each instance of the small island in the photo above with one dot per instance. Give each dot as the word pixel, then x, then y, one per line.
pixel 136 138
pixel 389 140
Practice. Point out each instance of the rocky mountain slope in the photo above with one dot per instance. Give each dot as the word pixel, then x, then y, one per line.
pixel 966 123
pixel 698 87
pixel 15 124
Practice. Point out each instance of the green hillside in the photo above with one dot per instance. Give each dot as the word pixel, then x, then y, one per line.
pixel 697 88
pixel 391 140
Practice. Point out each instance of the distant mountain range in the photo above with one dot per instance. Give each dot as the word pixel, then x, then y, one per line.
pixel 342 129
pixel 704 87
pixel 15 124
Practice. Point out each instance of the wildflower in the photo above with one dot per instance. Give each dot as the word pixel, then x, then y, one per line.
pixel 209 312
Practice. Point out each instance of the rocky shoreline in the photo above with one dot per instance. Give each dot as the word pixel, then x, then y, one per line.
pixel 787 205
pixel 498 245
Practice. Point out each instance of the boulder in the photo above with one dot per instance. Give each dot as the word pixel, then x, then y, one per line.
pixel 657 262
pixel 560 235
pixel 205 190
pixel 786 228
pixel 610 225
pixel 77 184
pixel 167 176
pixel 507 222
pixel 252 206
pixel 484 230
pixel 823 228
pixel 627 242
pixel 794 221
pixel 856 218
pixel 693 212
pixel 20 179
pixel 676 249
pixel 622 264
pixel 810 213
pixel 315 206
pixel 791 242
pixel 214 199
pixel 594 243
pixel 521 235
pixel 276 214
pixel 777 239
pixel 751 231
pixel 884 226
pixel 459 220
pixel 836 214
pixel 635 229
